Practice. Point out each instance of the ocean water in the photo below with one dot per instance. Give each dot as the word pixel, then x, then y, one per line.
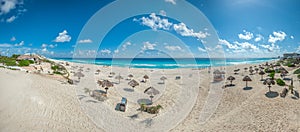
pixel 167 63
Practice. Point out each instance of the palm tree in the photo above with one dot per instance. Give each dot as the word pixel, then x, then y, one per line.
pixel 269 82
pixel 247 78
pixel 231 78
pixel 262 73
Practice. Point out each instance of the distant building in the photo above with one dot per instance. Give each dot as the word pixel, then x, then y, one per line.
pixel 291 55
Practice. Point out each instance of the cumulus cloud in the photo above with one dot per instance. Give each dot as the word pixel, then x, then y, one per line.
pixel 5 45
pixel 163 13
pixel 63 37
pixel 277 36
pixel 11 19
pixel 148 46
pixel 247 45
pixel 258 38
pixel 13 38
pixel 292 37
pixel 201 49
pixel 124 46
pixel 85 41
pixel 116 51
pixel 173 48
pixel 52 45
pixel 8 5
pixel 105 51
pixel 246 35
pixel 183 30
pixel 44 45
pixel 227 44
pixel 44 49
pixel 171 1
pixel 155 22
pixel 270 48
pixel 20 44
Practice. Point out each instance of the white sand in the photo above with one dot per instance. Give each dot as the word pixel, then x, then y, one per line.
pixel 192 103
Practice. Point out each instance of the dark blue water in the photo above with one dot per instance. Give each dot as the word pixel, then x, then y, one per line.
pixel 167 63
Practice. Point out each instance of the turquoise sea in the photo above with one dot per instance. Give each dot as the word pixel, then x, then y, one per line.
pixel 167 63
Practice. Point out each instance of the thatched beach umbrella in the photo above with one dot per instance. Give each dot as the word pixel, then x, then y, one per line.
pixel 151 91
pixel 163 78
pixel 262 73
pixel 230 78
pixel 130 76
pixel 133 83
pixel 236 71
pixel 80 70
pixel 119 77
pixel 246 79
pixel 269 82
pixel 256 69
pixel 146 77
pixel 79 74
pixel 106 84
pixel 251 71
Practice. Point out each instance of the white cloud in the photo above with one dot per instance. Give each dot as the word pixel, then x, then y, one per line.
pixel 201 49
pixel 227 44
pixel 52 46
pixel 246 35
pixel 258 38
pixel 116 51
pixel 298 49
pixel 173 48
pixel 5 45
pixel 247 45
pixel 271 48
pixel 124 46
pixel 44 45
pixel 148 46
pixel 171 1
pixel 63 37
pixel 20 44
pixel 85 41
pixel 277 36
pixel 13 39
pixel 105 51
pixel 8 5
pixel 183 30
pixel 155 22
pixel 292 37
pixel 163 13
pixel 44 49
pixel 11 19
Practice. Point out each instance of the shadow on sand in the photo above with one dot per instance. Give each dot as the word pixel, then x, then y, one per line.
pixel 247 88
pixel 144 101
pixel 271 94
pixel 296 95
pixel 128 89
pixel 81 97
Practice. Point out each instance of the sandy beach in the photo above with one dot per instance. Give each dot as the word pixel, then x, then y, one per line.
pixel 194 102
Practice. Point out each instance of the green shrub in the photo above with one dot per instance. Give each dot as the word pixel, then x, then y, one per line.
pixel 31 61
pixel 272 74
pixel 298 76
pixel 54 67
pixel 280 82
pixel 24 63
pixel 10 63
pixel 268 70
pixel 57 72
pixel 297 71
pixel 291 65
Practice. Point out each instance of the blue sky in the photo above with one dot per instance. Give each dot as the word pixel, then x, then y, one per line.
pixel 176 28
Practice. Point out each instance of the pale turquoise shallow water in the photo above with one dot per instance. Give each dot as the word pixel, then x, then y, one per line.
pixel 167 63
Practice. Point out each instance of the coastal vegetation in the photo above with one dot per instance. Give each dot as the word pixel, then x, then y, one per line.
pixel 280 82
